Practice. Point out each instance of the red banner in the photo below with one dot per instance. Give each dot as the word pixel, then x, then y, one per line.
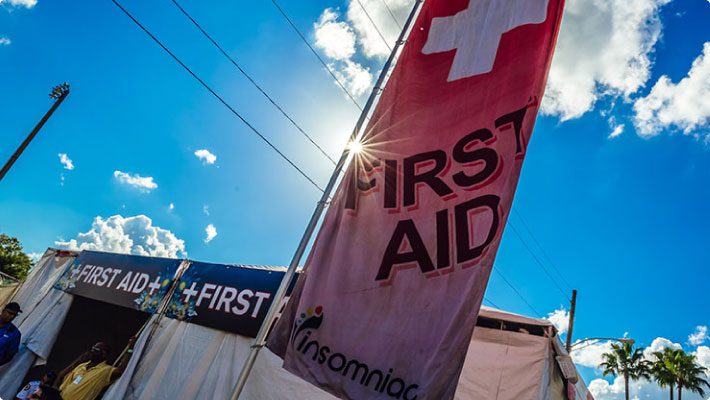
pixel 397 274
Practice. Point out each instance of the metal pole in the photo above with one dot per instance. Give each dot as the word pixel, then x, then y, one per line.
pixel 570 328
pixel 32 134
pixel 599 339
pixel 260 339
pixel 162 308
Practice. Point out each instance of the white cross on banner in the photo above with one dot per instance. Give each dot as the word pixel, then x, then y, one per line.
pixel 392 287
pixel 476 31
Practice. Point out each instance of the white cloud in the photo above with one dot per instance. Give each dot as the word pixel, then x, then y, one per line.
pixel 145 184
pixel 703 356
pixel 206 156
pixel 206 209
pixel 35 256
pixel 369 39
pixel 590 355
pixel 604 48
pixel 685 105
pixel 341 40
pixel 66 161
pixel 601 389
pixel 335 38
pixel 559 318
pixel 18 3
pixel 699 336
pixel 659 344
pixel 171 206
pixel 131 235
pixel 618 130
pixel 613 388
pixel 211 233
pixel 354 76
pixel 4 41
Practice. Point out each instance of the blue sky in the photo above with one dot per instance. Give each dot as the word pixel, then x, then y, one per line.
pixel 624 218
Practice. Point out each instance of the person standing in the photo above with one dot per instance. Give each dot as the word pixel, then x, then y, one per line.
pixel 9 334
pixel 88 379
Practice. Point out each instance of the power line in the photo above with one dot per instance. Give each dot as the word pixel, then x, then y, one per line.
pixel 389 10
pixel 246 75
pixel 303 38
pixel 537 313
pixel 544 253
pixel 374 25
pixel 491 302
pixel 217 96
pixel 537 260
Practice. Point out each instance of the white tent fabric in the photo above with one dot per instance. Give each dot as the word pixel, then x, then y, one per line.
pixel 500 315
pixel 39 332
pixel 181 362
pixel 40 280
pixel 40 329
pixel 186 361
pixel 44 310
pixel 506 365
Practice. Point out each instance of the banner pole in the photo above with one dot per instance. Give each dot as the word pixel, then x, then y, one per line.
pixel 260 339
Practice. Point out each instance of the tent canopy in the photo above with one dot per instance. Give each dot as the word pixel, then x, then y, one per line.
pixel 187 350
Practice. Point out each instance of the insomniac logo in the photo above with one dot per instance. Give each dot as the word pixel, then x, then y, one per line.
pixel 339 363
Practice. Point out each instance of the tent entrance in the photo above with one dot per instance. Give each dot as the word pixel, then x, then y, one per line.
pixel 89 321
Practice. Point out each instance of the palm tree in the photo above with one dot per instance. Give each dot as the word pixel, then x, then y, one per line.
pixel 624 360
pixel 689 374
pixel 662 369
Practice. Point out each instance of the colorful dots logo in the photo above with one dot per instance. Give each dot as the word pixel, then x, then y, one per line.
pixel 309 319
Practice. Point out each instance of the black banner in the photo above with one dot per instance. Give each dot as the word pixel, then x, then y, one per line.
pixel 225 297
pixel 129 281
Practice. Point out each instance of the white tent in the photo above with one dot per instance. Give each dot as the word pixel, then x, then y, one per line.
pixel 180 361
pixel 510 356
pixel 516 357
pixel 43 314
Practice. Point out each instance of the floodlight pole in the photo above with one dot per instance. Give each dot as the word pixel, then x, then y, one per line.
pixel 260 339
pixel 59 93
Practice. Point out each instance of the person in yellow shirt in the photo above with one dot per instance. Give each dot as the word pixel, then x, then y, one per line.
pixel 86 380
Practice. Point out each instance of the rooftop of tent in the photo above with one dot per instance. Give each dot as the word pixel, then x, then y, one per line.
pixel 494 318
pixel 488 317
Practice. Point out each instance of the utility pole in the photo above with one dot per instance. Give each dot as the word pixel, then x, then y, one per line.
pixel 570 328
pixel 59 93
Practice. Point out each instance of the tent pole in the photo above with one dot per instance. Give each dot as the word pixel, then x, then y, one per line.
pixel 154 321
pixel 162 308
pixel 260 339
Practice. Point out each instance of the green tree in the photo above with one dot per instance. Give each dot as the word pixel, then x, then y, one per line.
pixel 625 361
pixel 663 369
pixel 689 374
pixel 13 261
